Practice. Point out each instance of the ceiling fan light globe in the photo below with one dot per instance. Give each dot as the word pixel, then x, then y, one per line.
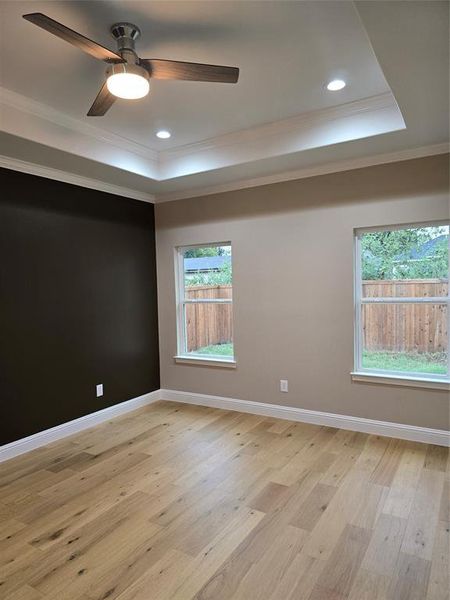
pixel 128 85
pixel 127 81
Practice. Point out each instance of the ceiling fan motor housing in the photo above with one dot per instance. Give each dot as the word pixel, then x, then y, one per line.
pixel 125 35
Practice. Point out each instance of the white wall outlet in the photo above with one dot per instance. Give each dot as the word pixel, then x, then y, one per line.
pixel 99 389
pixel 284 385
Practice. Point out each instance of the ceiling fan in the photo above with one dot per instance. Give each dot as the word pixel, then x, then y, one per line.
pixel 127 75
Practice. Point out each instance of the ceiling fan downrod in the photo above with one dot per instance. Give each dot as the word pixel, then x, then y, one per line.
pixel 125 35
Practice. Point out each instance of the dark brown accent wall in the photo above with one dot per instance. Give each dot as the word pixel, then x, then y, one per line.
pixel 78 302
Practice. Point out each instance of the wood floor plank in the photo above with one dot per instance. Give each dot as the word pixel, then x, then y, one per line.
pixel 182 502
pixel 444 509
pixel 298 579
pixel 436 458
pixel 24 593
pixel 369 586
pixel 403 487
pixel 410 580
pixel 343 564
pixel 421 528
pixel 387 467
pixel 311 510
pixel 340 466
pixel 212 557
pixel 161 580
pixel 385 545
pixel 76 575
pixel 439 583
pixel 263 576
pixel 269 497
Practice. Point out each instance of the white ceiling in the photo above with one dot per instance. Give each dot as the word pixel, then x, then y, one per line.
pixel 286 51
pixel 278 117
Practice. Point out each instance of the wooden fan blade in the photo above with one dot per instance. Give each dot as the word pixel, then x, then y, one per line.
pixel 102 103
pixel 174 69
pixel 68 35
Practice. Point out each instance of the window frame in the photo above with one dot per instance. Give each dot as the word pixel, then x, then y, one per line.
pixel 360 373
pixel 182 355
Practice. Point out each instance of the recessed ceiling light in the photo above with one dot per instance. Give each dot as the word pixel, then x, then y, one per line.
pixel 163 134
pixel 336 85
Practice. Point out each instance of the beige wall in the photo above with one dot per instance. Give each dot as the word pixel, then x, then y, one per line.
pixel 293 286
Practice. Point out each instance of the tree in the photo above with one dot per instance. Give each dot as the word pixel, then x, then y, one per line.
pixel 200 252
pixel 221 277
pixel 207 251
pixel 414 253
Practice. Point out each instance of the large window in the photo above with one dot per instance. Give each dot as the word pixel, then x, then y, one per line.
pixel 205 302
pixel 402 301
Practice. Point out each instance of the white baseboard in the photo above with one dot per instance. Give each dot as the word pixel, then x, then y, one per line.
pixel 42 438
pixel 439 437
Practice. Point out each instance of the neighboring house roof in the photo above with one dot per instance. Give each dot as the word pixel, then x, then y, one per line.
pixel 206 263
pixel 426 251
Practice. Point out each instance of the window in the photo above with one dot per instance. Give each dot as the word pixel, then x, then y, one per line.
pixel 205 304
pixel 401 302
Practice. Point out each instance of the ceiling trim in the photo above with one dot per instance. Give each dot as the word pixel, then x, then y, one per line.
pixel 29 119
pixel 320 128
pixel 277 128
pixel 44 111
pixel 332 167
pixel 23 166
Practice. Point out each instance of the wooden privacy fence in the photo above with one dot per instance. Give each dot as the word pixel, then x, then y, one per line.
pixel 208 324
pixel 405 327
pixel 390 327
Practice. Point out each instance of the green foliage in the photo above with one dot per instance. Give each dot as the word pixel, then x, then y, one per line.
pixel 393 254
pixel 206 251
pixel 221 277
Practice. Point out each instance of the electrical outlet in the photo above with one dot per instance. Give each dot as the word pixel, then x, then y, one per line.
pixel 99 389
pixel 284 385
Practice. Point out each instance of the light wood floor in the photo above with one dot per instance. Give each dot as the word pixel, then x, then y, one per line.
pixel 181 502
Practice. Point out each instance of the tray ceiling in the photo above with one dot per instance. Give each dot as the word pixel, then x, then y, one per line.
pixel 279 111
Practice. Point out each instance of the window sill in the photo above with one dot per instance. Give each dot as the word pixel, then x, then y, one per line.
pixel 227 363
pixel 416 382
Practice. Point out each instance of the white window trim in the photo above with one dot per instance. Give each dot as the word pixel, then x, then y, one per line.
pixel 208 362
pixel 405 381
pixel 182 356
pixel 408 379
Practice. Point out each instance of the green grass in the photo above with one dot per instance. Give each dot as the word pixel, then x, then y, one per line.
pixel 217 350
pixel 405 361
pixel 433 364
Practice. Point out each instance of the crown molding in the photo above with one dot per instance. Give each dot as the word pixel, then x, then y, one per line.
pixel 15 164
pixel 33 107
pixel 29 119
pixel 320 128
pixel 332 167
pixel 277 128
pixel 22 166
